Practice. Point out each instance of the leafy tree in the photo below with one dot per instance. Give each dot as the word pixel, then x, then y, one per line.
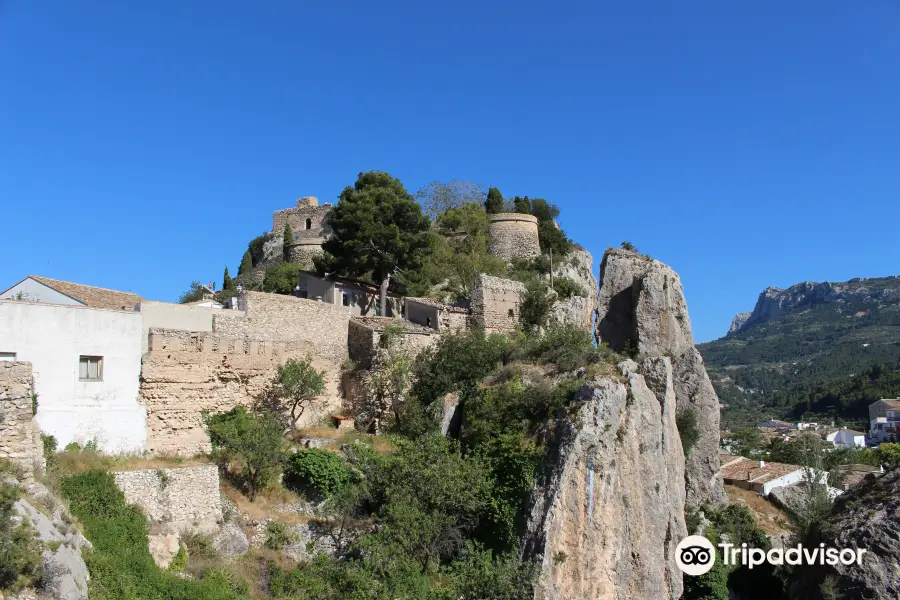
pixel 536 305
pixel 253 442
pixel 322 472
pixel 494 202
pixel 246 264
pixel 628 246
pixel 297 386
pixel 438 198
pixel 746 442
pixel 194 293
pixel 378 230
pixel 566 288
pixel 287 241
pixel 227 282
pixel 889 454
pixel 522 205
pixel 281 278
pixel 256 248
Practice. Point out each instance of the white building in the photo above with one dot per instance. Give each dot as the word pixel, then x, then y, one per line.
pixel 884 419
pixel 847 438
pixel 53 291
pixel 86 363
pixel 763 476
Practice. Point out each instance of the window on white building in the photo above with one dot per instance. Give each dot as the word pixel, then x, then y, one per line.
pixel 10 356
pixel 90 368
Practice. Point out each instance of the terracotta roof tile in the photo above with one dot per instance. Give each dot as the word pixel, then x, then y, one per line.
pixel 749 470
pixel 89 295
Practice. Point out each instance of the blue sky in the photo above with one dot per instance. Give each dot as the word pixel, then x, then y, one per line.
pixel 142 145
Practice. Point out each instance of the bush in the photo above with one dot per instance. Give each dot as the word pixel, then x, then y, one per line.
pixel 537 303
pixel 564 345
pixel 121 566
pixel 20 552
pixel 193 294
pixel 686 421
pixel 319 471
pixel 278 536
pixel 566 288
pixel 252 442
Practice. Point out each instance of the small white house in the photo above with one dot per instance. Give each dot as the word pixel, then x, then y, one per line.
pixel 762 476
pixel 847 438
pixel 86 364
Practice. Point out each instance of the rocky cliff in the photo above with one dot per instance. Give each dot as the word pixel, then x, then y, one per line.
pixel 608 509
pixel 577 310
pixel 738 321
pixel 867 517
pixel 642 311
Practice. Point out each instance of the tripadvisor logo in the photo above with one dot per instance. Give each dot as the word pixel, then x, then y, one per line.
pixel 696 555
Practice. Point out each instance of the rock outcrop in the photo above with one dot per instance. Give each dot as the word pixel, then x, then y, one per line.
pixel 577 310
pixel 867 517
pixel 738 322
pixel 642 311
pixel 608 509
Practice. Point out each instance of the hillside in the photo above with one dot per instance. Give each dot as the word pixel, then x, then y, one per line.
pixel 825 348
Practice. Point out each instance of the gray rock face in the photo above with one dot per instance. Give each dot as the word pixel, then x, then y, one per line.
pixel 577 310
pixel 867 517
pixel 738 322
pixel 642 309
pixel 64 572
pixel 231 541
pixel 608 509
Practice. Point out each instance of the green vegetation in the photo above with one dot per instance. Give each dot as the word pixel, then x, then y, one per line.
pixel 297 386
pixel 20 553
pixel 121 566
pixel 377 229
pixel 316 471
pixel 686 421
pixel 281 278
pixel 437 198
pixel 287 239
pixel 246 264
pixel 227 282
pixel 566 288
pixel 193 294
pixel 537 302
pixel 493 204
pixel 256 248
pixel 825 359
pixel 251 441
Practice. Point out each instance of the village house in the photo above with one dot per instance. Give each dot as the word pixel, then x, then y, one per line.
pixel 359 298
pixel 884 418
pixel 762 476
pixel 846 438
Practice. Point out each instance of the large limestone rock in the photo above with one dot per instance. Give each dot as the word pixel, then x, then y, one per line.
pixel 642 310
pixel 867 517
pixel 577 310
pixel 608 509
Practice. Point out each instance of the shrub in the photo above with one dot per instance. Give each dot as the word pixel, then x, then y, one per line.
pixel 686 421
pixel 566 288
pixel 494 201
pixel 278 535
pixel 297 384
pixel 537 303
pixel 193 293
pixel 179 561
pixel 20 552
pixel 253 442
pixel 281 278
pixel 319 471
pixel 629 246
pixel 563 345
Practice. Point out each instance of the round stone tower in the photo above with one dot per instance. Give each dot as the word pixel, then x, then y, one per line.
pixel 304 249
pixel 513 235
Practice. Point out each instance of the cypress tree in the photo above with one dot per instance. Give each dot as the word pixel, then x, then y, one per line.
pixel 288 240
pixel 227 283
pixel 494 202
pixel 246 264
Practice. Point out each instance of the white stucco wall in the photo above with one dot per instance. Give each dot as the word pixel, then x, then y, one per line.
pixel 844 439
pixel 785 480
pixel 52 338
pixel 165 315
pixel 35 291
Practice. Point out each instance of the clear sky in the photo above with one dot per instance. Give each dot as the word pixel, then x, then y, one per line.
pixel 746 144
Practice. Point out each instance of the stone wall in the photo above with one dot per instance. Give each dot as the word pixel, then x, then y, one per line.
pixel 305 250
pixel 307 208
pixel 187 497
pixel 364 338
pixel 495 303
pixel 20 439
pixel 514 235
pixel 185 373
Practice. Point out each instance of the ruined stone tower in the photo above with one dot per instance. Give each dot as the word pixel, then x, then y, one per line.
pixel 514 235
pixel 307 221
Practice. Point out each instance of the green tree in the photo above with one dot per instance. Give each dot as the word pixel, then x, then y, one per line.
pixel 522 205
pixel 536 305
pixel 193 294
pixel 297 386
pixel 256 248
pixel 246 264
pixel 253 442
pixel 628 246
pixel 227 282
pixel 494 202
pixel 889 454
pixel 281 278
pixel 378 230
pixel 287 241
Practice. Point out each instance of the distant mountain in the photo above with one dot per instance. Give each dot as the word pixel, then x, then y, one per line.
pixel 824 348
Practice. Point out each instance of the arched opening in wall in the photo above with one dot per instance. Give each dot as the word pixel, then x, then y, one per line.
pixel 308 224
pixel 511 314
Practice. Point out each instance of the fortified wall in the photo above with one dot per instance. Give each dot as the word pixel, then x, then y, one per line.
pixel 513 235
pixel 186 497
pixel 496 303
pixel 186 373
pixel 20 438
pixel 307 219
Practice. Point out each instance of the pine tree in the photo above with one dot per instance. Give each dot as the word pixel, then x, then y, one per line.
pixel 494 202
pixel 288 240
pixel 246 264
pixel 227 283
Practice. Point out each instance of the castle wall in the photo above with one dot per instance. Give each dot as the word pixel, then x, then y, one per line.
pixel 20 439
pixel 307 209
pixel 496 303
pixel 513 235
pixel 166 315
pixel 303 253
pixel 185 373
pixel 187 497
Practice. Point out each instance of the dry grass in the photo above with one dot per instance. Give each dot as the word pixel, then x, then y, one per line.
pixel 379 443
pixel 771 519
pixel 79 461
pixel 267 500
